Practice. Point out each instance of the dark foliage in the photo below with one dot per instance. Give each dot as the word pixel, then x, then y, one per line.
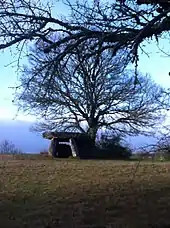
pixel 112 148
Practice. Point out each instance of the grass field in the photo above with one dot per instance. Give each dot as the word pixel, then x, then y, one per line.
pixel 47 193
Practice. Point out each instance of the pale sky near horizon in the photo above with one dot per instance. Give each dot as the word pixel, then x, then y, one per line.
pixel 156 65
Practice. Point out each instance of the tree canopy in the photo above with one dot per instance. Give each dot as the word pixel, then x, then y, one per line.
pixel 88 95
pixel 113 25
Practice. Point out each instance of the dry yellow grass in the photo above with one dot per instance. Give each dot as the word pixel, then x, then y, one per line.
pixel 76 193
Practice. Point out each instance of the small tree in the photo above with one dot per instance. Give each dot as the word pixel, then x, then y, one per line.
pixel 7 147
pixel 162 147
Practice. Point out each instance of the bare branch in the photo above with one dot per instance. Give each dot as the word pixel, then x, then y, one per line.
pixel 93 93
pixel 111 26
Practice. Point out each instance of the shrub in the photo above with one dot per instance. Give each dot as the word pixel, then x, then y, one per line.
pixel 111 147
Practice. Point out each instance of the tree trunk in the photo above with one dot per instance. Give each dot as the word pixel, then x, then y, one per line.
pixel 92 132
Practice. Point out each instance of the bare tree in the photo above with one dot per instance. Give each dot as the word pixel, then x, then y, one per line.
pixel 97 93
pixel 7 147
pixel 120 24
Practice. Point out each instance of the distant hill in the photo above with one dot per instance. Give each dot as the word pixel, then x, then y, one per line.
pixel 19 133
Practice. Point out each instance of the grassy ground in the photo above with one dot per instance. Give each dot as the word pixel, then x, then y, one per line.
pixel 47 193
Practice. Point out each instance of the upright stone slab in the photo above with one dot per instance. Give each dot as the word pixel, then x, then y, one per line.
pixel 49 149
pixel 74 148
pixel 53 147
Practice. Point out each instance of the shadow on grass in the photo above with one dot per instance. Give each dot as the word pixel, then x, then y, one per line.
pixel 127 207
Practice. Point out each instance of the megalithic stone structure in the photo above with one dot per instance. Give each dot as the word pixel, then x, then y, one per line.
pixel 74 148
pixel 80 144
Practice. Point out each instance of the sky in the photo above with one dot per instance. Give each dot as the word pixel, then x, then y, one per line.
pixel 157 65
pixel 8 77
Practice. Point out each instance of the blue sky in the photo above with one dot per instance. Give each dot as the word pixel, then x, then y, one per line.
pixel 8 77
pixel 156 65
